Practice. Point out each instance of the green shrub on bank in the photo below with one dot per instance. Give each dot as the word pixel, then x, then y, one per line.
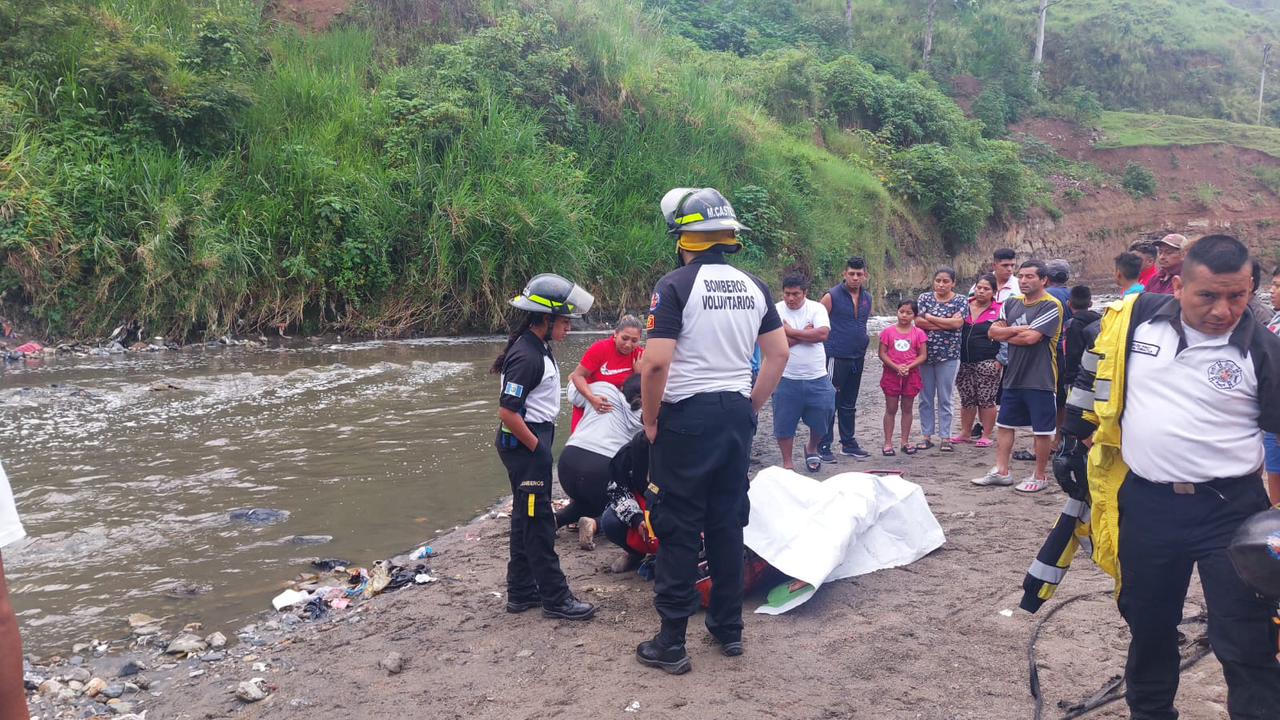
pixel 1138 181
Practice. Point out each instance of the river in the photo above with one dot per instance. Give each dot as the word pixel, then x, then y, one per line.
pixel 126 468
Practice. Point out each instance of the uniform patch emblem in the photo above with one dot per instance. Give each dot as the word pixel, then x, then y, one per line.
pixel 1225 374
pixel 654 302
pixel 1145 348
pixel 513 389
pixel 648 323
pixel 901 345
pixel 1273 545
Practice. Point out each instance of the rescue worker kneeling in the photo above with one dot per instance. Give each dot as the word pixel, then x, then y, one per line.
pixel 699 412
pixel 1171 400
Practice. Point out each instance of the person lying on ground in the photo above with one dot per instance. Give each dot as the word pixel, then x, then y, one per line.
pixel 624 521
pixel 611 360
pixel 584 463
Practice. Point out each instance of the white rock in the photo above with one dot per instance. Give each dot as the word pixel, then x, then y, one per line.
pixel 216 640
pixel 186 643
pixel 252 691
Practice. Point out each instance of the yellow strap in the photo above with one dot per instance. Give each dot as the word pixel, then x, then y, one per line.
pixel 530 506
pixel 685 220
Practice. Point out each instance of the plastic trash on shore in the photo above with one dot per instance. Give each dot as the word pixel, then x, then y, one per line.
pixel 422 553
pixel 289 598
pixel 850 524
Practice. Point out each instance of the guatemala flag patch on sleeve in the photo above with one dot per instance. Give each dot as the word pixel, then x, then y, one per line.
pixel 513 389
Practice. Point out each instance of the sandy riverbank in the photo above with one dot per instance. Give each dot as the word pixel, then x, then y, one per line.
pixel 925 641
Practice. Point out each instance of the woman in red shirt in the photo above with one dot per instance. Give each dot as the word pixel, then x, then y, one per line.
pixel 611 360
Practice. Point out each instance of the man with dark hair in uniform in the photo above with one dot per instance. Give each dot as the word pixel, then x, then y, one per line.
pixel 705 319
pixel 1172 473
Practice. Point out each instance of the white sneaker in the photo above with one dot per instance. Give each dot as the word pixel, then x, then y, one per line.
pixel 1032 485
pixel 993 478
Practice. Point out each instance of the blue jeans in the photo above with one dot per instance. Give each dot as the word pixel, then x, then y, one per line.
pixel 1272 447
pixel 935 400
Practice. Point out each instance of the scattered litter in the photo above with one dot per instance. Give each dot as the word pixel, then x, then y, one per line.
pixel 633 707
pixel 496 594
pixel 258 667
pixel 30 348
pixel 422 553
pixel 195 673
pixel 1006 613
pixel 341 603
pixel 289 598
pixel 330 564
pixel 423 579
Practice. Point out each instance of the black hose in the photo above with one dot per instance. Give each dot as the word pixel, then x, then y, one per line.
pixel 1112 691
pixel 1031 650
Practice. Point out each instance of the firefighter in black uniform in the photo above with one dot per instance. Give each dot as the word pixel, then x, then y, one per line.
pixel 527 410
pixel 698 410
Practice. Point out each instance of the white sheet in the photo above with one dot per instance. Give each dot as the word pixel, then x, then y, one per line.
pixel 849 524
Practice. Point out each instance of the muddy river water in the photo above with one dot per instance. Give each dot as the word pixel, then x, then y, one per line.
pixel 126 470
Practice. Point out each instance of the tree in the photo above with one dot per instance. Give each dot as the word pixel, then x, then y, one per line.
pixel 930 16
pixel 1039 59
pixel 848 20
pixel 1262 81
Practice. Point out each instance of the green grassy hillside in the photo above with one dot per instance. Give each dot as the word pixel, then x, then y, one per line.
pixel 1133 130
pixel 198 167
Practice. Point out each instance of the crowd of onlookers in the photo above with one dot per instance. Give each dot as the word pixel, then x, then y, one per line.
pixel 1009 346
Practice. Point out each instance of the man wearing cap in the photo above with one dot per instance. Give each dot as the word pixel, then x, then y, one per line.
pixel 698 409
pixel 1172 475
pixel 1169 260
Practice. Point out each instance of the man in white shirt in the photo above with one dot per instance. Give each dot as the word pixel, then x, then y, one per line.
pixel 13 698
pixel 804 391
pixel 1003 265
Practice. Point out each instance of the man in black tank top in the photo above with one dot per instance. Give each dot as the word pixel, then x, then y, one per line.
pixel 849 307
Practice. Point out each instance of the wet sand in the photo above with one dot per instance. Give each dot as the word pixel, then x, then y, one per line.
pixel 925 641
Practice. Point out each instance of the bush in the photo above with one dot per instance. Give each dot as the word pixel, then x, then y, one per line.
pixel 991 110
pixel 1269 176
pixel 904 111
pixel 1079 105
pixel 1207 195
pixel 1138 181
pixel 944 185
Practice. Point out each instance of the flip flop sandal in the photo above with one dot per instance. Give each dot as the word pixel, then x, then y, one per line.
pixel 958 440
pixel 910 450
pixel 813 463
pixel 924 445
pixel 888 452
pixel 982 443
pixel 946 446
pixel 1025 455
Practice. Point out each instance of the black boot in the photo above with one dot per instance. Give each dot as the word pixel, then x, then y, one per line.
pixel 666 650
pixel 571 609
pixel 519 605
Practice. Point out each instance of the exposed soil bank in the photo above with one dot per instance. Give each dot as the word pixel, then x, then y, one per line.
pixel 924 641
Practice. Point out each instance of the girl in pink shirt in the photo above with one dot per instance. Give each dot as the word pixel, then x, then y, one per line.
pixel 903 349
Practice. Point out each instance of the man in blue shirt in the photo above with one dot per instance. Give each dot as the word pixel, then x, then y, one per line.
pixel 849 307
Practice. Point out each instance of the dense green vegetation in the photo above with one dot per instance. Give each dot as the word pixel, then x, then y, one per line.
pixel 200 169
